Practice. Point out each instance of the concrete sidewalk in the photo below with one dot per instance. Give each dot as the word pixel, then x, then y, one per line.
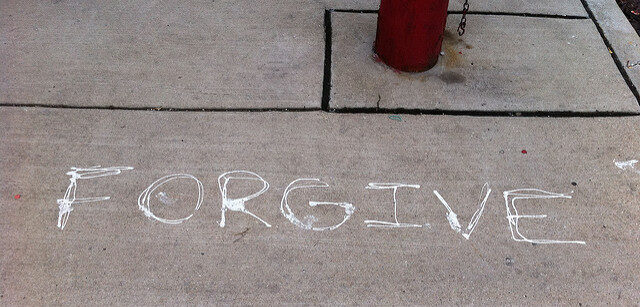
pixel 537 102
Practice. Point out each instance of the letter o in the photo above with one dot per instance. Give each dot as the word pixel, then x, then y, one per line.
pixel 143 199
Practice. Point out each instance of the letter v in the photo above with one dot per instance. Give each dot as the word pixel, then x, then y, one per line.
pixel 453 217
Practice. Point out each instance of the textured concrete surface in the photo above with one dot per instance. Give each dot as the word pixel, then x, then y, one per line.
pixel 111 253
pixel 206 54
pixel 244 54
pixel 619 32
pixel 561 7
pixel 503 63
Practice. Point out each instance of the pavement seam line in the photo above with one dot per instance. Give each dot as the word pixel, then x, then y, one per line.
pixel 388 111
pixel 326 78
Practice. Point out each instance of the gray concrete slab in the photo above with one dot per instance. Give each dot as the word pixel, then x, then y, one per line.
pixel 559 7
pixel 270 55
pixel 623 38
pixel 193 54
pixel 503 63
pixel 110 253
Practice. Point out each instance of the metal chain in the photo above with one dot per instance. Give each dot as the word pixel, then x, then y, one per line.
pixel 463 21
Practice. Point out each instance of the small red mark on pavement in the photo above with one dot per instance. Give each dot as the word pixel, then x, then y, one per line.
pixel 17 196
pixel 524 152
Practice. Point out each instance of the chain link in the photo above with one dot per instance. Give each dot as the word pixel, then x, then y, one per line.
pixel 463 21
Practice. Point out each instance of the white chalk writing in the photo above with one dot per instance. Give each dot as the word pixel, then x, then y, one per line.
pixel 452 217
pixel 303 183
pixel 145 196
pixel 65 203
pixel 394 187
pixel 513 216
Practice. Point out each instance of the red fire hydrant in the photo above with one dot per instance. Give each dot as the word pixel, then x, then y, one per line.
pixel 410 33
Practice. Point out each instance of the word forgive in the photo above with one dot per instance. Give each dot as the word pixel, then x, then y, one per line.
pixel 66 204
